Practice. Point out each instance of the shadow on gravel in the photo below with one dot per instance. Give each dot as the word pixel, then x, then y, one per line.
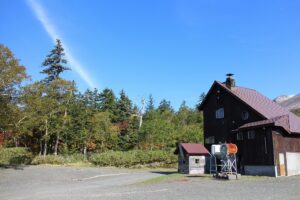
pixel 16 167
pixel 164 172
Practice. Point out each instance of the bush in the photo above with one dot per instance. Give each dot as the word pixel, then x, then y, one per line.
pixel 134 158
pixel 15 156
pixel 49 159
pixel 58 160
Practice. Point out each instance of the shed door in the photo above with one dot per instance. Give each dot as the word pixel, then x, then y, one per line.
pixel 281 165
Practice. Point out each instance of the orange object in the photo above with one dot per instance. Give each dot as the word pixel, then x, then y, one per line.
pixel 232 148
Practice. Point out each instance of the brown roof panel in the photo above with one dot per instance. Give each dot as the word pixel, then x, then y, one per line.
pixel 281 121
pixel 194 148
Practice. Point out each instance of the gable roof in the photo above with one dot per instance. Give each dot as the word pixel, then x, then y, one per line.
pixel 192 148
pixel 262 105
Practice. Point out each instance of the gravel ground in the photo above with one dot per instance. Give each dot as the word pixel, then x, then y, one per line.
pixel 51 182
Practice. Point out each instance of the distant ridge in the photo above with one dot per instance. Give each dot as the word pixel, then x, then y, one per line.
pixel 291 102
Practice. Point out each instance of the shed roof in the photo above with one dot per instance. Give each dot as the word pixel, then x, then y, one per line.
pixel 192 148
pixel 263 106
pixel 282 121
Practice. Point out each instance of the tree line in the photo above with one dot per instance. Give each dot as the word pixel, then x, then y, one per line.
pixel 51 116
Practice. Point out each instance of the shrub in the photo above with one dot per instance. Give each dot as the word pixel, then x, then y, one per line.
pixel 49 159
pixel 74 158
pixel 58 160
pixel 134 158
pixel 15 156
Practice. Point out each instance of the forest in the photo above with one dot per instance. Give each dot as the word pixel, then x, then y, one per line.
pixel 51 117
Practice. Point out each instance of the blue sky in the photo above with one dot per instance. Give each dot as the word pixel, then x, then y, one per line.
pixel 172 49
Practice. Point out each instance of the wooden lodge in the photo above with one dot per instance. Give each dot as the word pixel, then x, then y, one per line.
pixel 267 135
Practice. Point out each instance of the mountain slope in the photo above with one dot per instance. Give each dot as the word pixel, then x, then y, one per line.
pixel 289 102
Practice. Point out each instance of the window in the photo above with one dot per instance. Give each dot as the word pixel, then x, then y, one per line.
pixel 251 135
pixel 239 136
pixel 220 113
pixel 210 140
pixel 197 160
pixel 245 115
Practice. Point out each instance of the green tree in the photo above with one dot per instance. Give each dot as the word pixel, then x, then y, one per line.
pixel 150 104
pixel 165 106
pixel 108 102
pixel 41 110
pixel 201 99
pixel 55 62
pixel 12 73
pixel 58 90
pixel 124 107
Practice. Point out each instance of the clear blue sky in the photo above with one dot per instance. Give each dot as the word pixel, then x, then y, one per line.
pixel 172 49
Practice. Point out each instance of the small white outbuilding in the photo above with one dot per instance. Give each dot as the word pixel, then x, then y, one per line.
pixel 191 158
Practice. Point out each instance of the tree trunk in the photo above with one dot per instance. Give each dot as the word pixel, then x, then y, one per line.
pixel 46 139
pixel 58 136
pixel 16 141
pixel 85 152
pixel 41 147
pixel 56 144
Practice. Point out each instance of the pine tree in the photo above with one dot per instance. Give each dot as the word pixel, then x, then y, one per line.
pixel 165 106
pixel 201 98
pixel 124 107
pixel 150 104
pixel 55 62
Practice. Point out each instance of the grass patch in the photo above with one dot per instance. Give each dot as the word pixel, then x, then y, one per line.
pixel 163 178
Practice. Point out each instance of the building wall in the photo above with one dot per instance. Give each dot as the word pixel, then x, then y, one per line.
pixel 258 150
pixel 187 164
pixel 289 147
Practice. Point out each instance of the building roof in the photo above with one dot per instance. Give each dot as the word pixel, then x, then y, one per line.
pixel 192 148
pixel 263 106
pixel 282 121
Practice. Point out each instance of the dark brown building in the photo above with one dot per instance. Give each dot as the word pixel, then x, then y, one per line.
pixel 267 135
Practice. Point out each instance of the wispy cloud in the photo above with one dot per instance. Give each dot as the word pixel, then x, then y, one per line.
pixel 50 29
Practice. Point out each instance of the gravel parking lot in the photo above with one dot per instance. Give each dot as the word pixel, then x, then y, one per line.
pixel 53 182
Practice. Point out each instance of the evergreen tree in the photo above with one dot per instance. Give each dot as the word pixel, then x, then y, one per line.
pixel 108 101
pixel 124 107
pixel 165 106
pixel 201 98
pixel 55 62
pixel 150 104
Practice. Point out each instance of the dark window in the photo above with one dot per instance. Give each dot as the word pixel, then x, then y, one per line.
pixel 220 113
pixel 210 140
pixel 196 161
pixel 251 135
pixel 239 136
pixel 245 115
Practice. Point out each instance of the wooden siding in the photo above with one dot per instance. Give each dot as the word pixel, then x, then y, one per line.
pixel 283 143
pixel 256 151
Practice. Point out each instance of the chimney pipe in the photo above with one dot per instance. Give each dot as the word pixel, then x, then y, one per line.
pixel 230 82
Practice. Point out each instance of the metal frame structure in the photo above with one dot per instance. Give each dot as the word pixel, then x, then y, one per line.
pixel 228 165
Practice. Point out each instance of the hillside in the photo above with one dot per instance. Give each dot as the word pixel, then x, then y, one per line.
pixel 290 102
